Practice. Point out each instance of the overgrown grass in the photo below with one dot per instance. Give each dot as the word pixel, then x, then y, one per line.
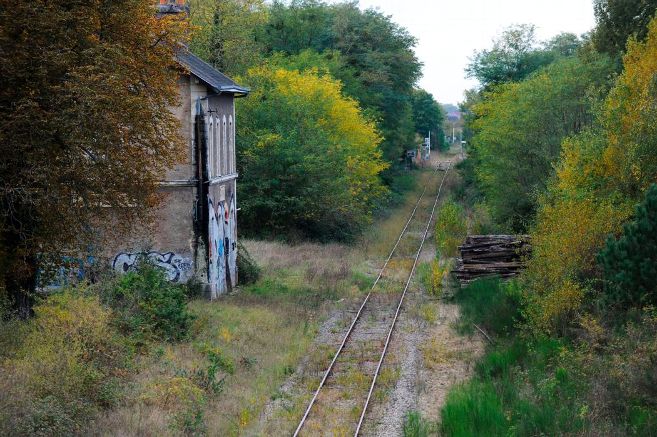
pixel 490 303
pixel 517 389
pixel 530 386
pixel 134 356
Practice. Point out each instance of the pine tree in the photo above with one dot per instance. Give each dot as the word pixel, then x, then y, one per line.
pixel 630 263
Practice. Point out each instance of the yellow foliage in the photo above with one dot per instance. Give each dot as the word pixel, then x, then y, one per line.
pixel 556 308
pixel 344 123
pixel 69 349
pixel 601 175
pixel 629 115
pixel 568 235
pixel 67 366
pixel 451 228
pixel 304 144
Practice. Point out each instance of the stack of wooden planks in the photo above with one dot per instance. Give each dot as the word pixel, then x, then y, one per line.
pixel 492 255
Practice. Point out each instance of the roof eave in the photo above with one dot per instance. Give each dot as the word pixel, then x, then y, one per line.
pixel 237 91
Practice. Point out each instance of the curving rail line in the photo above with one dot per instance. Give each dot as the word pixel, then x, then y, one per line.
pixel 329 370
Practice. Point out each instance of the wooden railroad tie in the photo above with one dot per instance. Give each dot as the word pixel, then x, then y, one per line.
pixel 491 255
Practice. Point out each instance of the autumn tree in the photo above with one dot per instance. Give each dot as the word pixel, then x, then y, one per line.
pixel 378 50
pixel 519 129
pixel 86 130
pixel 602 174
pixel 309 159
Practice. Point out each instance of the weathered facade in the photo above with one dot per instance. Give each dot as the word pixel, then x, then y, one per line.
pixel 195 235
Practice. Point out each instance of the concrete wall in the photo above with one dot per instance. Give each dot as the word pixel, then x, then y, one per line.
pixel 172 242
pixel 222 198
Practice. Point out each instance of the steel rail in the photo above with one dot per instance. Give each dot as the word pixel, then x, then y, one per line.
pixel 360 310
pixel 401 301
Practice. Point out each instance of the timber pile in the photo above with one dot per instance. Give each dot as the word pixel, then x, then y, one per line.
pixel 491 255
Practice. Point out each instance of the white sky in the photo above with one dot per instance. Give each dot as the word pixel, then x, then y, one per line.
pixel 449 31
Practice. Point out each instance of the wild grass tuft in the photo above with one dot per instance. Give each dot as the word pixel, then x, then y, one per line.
pixel 416 426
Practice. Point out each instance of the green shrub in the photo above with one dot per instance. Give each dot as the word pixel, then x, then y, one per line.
pixel 630 263
pixel 63 371
pixel 148 306
pixel 247 269
pixel 208 377
pixel 432 276
pixel 451 228
pixel 492 304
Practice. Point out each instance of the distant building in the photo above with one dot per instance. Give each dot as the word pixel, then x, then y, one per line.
pixel 453 116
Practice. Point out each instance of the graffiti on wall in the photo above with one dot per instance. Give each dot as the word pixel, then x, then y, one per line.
pixel 176 267
pixel 222 239
pixel 69 271
pixel 231 232
pixel 216 249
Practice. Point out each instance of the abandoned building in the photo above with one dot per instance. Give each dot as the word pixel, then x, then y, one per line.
pixel 195 227
pixel 195 234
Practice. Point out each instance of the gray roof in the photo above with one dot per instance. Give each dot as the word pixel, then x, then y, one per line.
pixel 208 74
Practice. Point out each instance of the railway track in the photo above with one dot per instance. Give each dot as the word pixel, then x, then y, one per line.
pixel 340 402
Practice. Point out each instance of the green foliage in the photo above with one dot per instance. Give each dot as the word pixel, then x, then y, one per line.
pixel 514 56
pixel 576 369
pixel 519 129
pixel 451 228
pixel 492 304
pixel 602 173
pixel 473 409
pixel 379 52
pixel 208 377
pixel 564 44
pixel 399 182
pixel 519 389
pixel 148 306
pixel 618 20
pixel 225 33
pixel 309 158
pixel 543 386
pixel 630 263
pixel 428 116
pixel 629 382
